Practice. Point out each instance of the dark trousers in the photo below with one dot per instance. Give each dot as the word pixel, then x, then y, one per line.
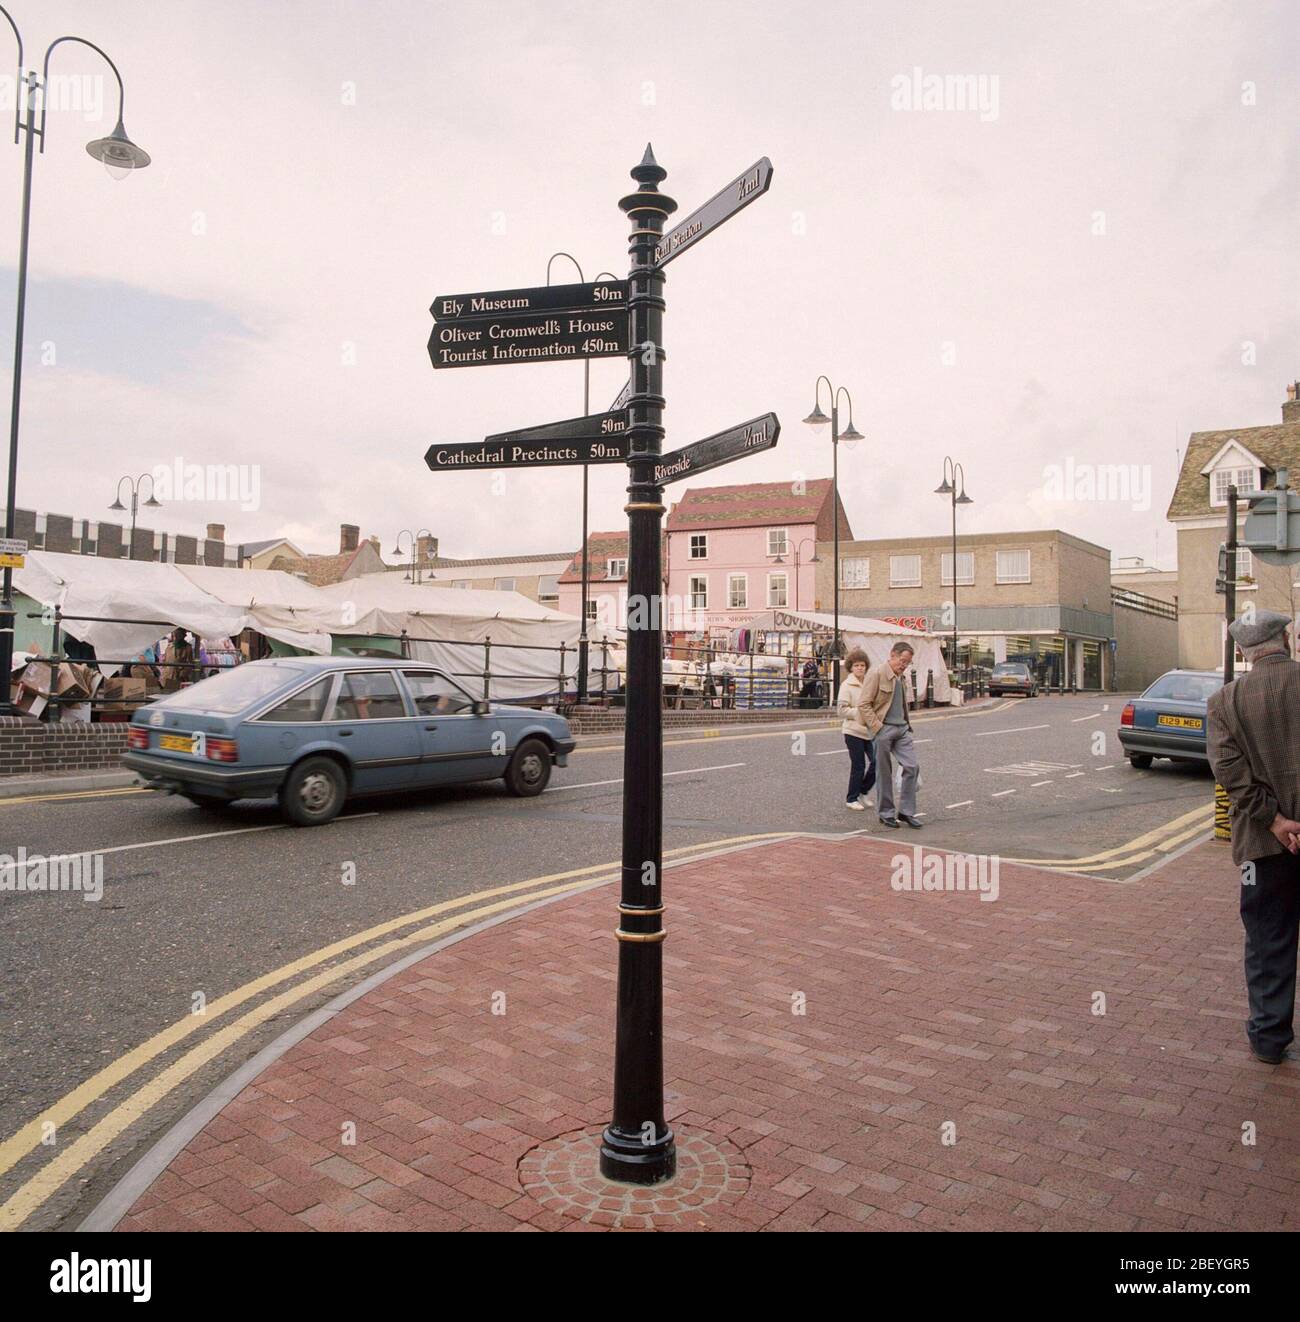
pixel 862 764
pixel 1270 913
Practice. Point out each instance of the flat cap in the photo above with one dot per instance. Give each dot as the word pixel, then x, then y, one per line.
pixel 1259 628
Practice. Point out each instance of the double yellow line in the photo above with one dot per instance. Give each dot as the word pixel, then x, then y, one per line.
pixel 1161 840
pixel 55 1173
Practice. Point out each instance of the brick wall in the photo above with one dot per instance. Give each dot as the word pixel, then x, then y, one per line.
pixel 29 747
pixel 58 533
pixel 111 543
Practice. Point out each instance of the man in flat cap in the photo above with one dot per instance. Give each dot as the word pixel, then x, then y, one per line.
pixel 1253 740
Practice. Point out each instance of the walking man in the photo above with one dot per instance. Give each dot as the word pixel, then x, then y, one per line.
pixel 884 712
pixel 1253 741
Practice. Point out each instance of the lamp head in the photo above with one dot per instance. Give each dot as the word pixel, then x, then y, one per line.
pixel 945 489
pixel 964 499
pixel 817 419
pixel 118 154
pixel 151 503
pixel 852 436
pixel 117 505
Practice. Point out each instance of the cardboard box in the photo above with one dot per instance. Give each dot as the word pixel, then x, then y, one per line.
pixel 118 693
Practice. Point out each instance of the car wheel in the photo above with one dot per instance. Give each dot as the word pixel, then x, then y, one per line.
pixel 529 769
pixel 313 792
pixel 1140 760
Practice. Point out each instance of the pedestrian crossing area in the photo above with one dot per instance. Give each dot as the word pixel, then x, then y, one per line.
pixel 1034 769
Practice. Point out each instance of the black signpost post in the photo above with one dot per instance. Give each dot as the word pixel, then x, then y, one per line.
pixel 589 321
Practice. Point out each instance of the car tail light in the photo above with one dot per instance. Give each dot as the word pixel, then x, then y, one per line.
pixel 222 750
pixel 1126 716
pixel 137 737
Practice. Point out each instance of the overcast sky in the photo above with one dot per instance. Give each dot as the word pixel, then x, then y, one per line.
pixel 1096 259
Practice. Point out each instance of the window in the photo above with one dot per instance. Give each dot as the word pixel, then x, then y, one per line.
pixel 1185 688
pixel 505 585
pixel 965 568
pixel 231 691
pixel 435 694
pixel 855 572
pixel 904 571
pixel 1245 567
pixel 737 591
pixel 777 542
pixel 616 568
pixel 548 588
pixel 368 695
pixel 699 591
pixel 1013 567
pixel 306 705
pixel 699 546
pixel 1246 480
pixel 777 590
pixel 88 536
pixel 38 540
pixel 591 612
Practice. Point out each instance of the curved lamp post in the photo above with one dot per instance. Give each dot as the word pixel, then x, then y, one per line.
pixel 954 487
pixel 583 643
pixel 151 503
pixel 120 156
pixel 816 560
pixel 414 573
pixel 817 420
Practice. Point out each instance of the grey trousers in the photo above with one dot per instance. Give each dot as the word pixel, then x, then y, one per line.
pixel 894 744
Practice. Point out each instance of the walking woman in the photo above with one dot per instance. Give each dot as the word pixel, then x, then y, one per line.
pixel 862 749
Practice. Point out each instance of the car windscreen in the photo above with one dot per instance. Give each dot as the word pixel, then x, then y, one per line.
pixel 1184 688
pixel 233 690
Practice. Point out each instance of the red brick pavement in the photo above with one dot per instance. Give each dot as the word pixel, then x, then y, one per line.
pixel 872 1058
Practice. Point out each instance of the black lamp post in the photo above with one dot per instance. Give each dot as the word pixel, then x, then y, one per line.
pixel 151 503
pixel 583 643
pixel 120 156
pixel 851 436
pixel 414 573
pixel 954 486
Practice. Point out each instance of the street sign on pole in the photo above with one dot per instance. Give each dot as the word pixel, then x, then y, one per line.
pixel 1272 529
pixel 597 296
pixel 515 453
pixel 739 193
pixel 593 426
pixel 735 443
pixel 541 337
pixel 621 399
pixel 13 551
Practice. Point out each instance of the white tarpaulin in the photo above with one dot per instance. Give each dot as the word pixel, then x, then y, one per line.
pixel 270 598
pixel 125 590
pixel 874 637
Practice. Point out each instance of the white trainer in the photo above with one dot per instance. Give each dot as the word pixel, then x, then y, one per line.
pixel 856 805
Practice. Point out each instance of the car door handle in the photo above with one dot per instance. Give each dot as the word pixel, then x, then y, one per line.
pixel 430 727
pixel 345 734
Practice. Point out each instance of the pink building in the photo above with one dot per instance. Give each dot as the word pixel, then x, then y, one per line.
pixel 606 581
pixel 734 552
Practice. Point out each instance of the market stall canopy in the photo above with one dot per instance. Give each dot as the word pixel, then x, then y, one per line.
pixel 874 636
pixel 275 603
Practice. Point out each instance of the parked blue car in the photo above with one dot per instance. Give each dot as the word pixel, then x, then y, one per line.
pixel 1168 720
pixel 315 731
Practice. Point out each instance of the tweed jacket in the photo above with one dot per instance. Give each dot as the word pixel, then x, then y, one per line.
pixel 1253 742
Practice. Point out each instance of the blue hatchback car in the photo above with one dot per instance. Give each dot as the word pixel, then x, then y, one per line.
pixel 1168 720
pixel 314 731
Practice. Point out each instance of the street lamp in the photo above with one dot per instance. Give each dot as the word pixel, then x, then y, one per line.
pixel 413 574
pixel 954 486
pixel 120 156
pixel 817 420
pixel 586 411
pixel 151 503
pixel 816 560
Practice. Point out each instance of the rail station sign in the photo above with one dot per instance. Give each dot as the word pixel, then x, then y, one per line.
pixel 738 194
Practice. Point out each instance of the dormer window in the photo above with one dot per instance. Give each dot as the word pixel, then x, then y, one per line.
pixel 1246 480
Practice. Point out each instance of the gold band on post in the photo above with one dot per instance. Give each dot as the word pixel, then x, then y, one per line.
pixel 633 909
pixel 639 936
pixel 643 505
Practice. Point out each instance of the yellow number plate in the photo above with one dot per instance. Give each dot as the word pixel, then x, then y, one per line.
pixel 1181 722
pixel 177 743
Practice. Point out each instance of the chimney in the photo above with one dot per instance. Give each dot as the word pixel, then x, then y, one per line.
pixel 1291 409
pixel 374 541
pixel 216 532
pixel 349 536
pixel 427 549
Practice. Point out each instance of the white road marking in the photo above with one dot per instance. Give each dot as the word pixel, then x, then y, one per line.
pixel 1031 768
pixel 1000 793
pixel 1107 767
pixel 1072 774
pixel 1037 783
pixel 1015 729
pixel 592 784
pixel 965 803
pixel 186 839
pixel 1104 790
pixel 1077 719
